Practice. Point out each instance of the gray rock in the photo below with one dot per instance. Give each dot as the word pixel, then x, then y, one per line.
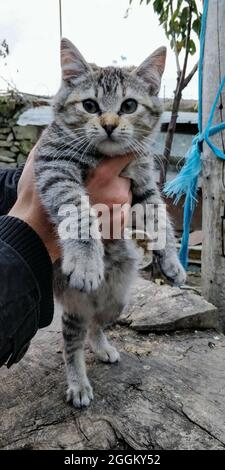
pixel 25 146
pixel 10 137
pixel 7 153
pixel 26 132
pixel 165 308
pixel 5 130
pixel 21 159
pixel 5 143
pixel 14 149
pixel 6 159
pixel 12 123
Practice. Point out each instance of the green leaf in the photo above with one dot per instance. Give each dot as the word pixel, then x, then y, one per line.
pixel 175 20
pixel 191 47
pixel 164 17
pixel 184 16
pixel 180 45
pixel 196 26
pixel 194 6
pixel 174 16
pixel 175 27
pixel 158 6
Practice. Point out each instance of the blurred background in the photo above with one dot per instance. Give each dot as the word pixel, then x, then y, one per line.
pixel 105 31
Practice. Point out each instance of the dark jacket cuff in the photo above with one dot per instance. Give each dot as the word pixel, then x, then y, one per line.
pixel 25 241
pixel 8 188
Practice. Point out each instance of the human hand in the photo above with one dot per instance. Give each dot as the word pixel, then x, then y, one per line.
pixel 104 185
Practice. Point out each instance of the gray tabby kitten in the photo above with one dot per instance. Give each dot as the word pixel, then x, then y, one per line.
pixel 98 112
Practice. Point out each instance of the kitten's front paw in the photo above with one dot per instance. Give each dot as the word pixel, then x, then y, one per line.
pixel 172 268
pixel 80 394
pixel 85 273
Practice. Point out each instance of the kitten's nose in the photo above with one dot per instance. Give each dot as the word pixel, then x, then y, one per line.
pixel 109 128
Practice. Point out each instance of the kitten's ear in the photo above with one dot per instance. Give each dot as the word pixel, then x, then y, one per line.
pixel 72 62
pixel 152 68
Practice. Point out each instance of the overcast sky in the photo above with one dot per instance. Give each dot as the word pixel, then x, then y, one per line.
pixel 103 30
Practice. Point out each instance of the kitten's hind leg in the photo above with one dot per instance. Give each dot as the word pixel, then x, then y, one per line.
pixel 79 390
pixel 101 346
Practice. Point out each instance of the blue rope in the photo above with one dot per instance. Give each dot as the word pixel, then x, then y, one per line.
pixel 186 181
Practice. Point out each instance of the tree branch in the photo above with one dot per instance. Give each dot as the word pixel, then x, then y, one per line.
pixel 175 45
pixel 183 73
pixel 190 75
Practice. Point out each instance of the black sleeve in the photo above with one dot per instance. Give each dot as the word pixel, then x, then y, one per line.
pixel 26 294
pixel 8 188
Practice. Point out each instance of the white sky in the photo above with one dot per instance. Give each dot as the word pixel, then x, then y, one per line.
pixel 97 27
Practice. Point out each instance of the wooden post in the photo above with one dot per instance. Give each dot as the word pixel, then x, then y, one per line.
pixel 213 253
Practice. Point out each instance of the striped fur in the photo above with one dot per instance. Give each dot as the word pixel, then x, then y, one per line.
pixel 92 281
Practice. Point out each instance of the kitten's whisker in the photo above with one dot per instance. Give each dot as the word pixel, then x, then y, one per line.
pixel 77 150
pixel 64 149
pixel 134 149
pixel 139 148
pixel 62 152
pixel 89 146
pixel 73 155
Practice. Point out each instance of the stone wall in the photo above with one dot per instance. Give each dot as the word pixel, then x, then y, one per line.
pixel 16 141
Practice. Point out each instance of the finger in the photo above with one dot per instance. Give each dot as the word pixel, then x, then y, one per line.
pixel 114 166
pixel 124 184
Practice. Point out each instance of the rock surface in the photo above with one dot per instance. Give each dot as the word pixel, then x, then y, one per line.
pixel 26 132
pixel 168 392
pixel 156 308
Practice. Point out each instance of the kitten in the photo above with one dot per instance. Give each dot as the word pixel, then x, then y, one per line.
pixel 98 112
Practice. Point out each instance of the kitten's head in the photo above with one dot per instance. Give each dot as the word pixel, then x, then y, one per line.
pixel 110 108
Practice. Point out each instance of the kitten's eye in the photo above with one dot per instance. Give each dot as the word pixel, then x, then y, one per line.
pixel 129 106
pixel 91 106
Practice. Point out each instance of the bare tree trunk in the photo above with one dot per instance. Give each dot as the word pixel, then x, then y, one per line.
pixel 170 133
pixel 213 256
